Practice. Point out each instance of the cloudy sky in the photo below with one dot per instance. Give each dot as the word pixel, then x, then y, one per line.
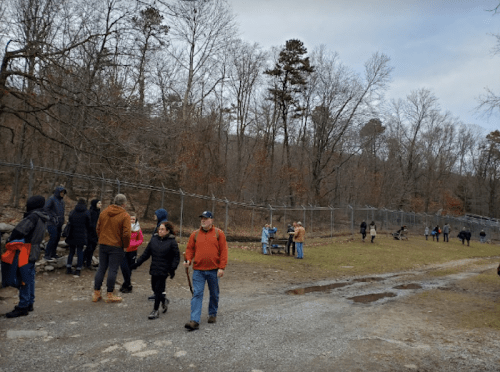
pixel 442 45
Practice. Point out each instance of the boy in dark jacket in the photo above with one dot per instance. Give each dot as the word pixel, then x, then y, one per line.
pixel 54 208
pixel 31 230
pixel 165 257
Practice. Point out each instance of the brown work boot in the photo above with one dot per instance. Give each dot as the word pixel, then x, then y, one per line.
pixel 212 319
pixel 192 325
pixel 112 298
pixel 97 295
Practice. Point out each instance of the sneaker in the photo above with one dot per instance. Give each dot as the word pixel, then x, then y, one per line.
pixel 164 306
pixel 154 314
pixel 192 325
pixel 50 259
pixel 212 319
pixel 69 271
pixel 56 256
pixel 76 273
pixel 18 311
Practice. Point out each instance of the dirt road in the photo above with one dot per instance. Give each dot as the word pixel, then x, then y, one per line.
pixel 260 327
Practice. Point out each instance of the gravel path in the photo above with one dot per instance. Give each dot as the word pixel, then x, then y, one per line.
pixel 259 328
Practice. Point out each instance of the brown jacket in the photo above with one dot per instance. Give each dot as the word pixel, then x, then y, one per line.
pixel 113 227
pixel 300 234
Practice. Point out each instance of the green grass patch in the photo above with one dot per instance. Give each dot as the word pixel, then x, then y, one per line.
pixel 341 256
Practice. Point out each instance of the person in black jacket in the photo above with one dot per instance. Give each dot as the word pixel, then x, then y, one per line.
pixel 362 230
pixel 464 235
pixel 92 239
pixel 165 257
pixel 79 220
pixel 54 208
pixel 31 230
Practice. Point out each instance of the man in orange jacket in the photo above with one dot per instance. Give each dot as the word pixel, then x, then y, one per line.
pixel 207 250
pixel 114 230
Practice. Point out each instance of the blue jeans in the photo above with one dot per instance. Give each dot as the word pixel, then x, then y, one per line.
pixel 55 236
pixel 27 291
pixel 300 251
pixel 264 248
pixel 199 278
pixel 445 237
pixel 483 239
pixel 79 254
pixel 110 257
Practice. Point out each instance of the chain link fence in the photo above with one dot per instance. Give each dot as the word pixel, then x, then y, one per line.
pixel 240 220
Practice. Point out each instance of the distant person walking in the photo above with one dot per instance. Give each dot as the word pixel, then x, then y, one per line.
pixel 482 236
pixel 54 208
pixel 300 236
pixel 426 232
pixel 437 231
pixel 113 229
pixel 92 239
pixel 206 250
pixel 373 230
pixel 362 230
pixel 446 233
pixel 290 243
pixel 464 235
pixel 79 220
pixel 26 238
pixel 165 257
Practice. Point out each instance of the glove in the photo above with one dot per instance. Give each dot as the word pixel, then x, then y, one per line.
pixel 498 270
pixel 134 266
pixel 172 274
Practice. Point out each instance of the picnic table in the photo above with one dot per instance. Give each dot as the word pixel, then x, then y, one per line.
pixel 277 245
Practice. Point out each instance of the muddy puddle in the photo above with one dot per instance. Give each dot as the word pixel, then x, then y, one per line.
pixel 408 286
pixel 372 297
pixel 368 280
pixel 316 288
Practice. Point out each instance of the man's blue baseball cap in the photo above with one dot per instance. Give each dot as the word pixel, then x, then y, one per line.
pixel 207 214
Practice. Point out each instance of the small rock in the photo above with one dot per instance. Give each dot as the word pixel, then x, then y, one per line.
pixel 49 268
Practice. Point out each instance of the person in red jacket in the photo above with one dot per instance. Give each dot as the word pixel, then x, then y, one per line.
pixel 207 251
pixel 136 239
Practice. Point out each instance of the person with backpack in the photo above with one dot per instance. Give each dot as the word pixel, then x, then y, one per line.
pixel 165 257
pixel 25 239
pixel 79 221
pixel 206 250
pixel 54 208
pixel 437 231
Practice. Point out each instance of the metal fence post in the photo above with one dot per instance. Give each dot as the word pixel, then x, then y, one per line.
pixel 227 216
pixel 331 222
pixel 30 184
pixel 162 194
pixel 182 212
pixel 253 210
pixel 284 219
pixel 352 219
pixel 304 208
pixel 311 222
pixel 118 184
pixel 270 214
pixel 103 186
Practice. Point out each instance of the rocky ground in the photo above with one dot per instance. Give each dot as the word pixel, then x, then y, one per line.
pixel 263 325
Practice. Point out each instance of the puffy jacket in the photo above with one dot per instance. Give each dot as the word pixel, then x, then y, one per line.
pixel 79 220
pixel 113 227
pixel 136 239
pixel 54 207
pixel 164 253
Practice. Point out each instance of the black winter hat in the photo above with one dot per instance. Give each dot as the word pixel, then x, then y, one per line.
pixel 35 202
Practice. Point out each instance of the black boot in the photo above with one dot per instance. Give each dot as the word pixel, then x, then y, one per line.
pixel 76 272
pixel 69 271
pixel 18 311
